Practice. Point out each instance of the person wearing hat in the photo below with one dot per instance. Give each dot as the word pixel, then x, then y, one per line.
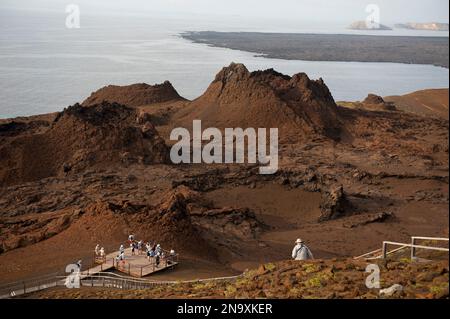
pixel 301 251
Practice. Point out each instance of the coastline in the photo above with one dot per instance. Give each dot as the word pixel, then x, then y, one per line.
pixel 316 47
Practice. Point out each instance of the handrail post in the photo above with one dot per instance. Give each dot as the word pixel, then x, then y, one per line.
pixel 141 271
pixel 384 251
pixel 413 248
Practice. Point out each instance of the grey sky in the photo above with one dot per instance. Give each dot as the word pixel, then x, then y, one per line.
pixel 392 11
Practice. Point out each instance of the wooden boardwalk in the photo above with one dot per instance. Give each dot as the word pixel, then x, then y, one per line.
pixel 136 265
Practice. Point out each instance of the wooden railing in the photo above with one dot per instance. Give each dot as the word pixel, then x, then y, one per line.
pixel 27 286
pixel 415 238
pixel 135 270
pixel 384 252
pixel 102 279
pixel 413 245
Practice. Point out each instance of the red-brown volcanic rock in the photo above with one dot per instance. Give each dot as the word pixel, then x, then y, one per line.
pixel 134 94
pixel 81 138
pixel 239 98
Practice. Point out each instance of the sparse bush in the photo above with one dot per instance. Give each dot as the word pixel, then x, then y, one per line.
pixel 230 290
pixel 270 266
pixel 310 268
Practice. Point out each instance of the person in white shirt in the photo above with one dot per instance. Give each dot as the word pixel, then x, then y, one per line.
pixel 301 251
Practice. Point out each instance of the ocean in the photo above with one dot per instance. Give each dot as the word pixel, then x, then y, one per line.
pixel 45 66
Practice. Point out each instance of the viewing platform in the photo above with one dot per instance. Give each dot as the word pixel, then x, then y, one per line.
pixel 137 265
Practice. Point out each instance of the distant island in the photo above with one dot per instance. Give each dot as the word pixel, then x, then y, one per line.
pixel 331 47
pixel 432 26
pixel 363 25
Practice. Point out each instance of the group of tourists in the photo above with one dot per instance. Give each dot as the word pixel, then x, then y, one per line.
pixel 154 250
pixel 151 250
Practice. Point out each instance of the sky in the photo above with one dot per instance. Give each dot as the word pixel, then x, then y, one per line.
pixel 391 11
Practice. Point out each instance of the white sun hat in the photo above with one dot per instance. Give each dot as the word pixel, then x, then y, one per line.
pixel 298 241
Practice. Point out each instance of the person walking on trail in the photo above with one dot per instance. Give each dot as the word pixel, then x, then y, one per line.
pixel 301 251
pixel 121 249
pixel 102 252
pixel 97 250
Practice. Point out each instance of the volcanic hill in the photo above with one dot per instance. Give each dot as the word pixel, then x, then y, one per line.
pixel 296 105
pixel 78 138
pixel 432 102
pixel 134 94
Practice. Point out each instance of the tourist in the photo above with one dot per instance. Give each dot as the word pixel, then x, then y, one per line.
pixel 139 246
pixel 97 250
pixel 301 251
pixel 130 238
pixel 102 252
pixel 158 249
pixel 121 249
pixel 153 252
pixel 148 248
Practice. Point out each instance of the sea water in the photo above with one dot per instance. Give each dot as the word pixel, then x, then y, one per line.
pixel 45 66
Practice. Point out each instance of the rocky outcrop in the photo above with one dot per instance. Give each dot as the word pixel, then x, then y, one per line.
pixel 228 221
pixel 134 95
pixel 79 138
pixel 334 204
pixel 362 220
pixel 371 103
pixel 377 103
pixel 373 99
